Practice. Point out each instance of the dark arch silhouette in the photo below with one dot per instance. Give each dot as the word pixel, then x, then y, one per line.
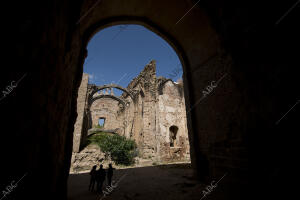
pixel 99 25
pixel 137 20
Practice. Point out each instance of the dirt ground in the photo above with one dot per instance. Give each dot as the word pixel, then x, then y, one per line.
pixel 147 183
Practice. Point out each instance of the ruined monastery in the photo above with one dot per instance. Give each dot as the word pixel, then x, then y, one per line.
pixel 151 110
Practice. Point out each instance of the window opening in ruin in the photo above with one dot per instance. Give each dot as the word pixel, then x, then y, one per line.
pixel 101 122
pixel 173 135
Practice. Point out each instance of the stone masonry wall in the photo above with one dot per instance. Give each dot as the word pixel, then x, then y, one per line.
pixel 155 113
pixel 109 109
pixel 81 101
pixel 171 112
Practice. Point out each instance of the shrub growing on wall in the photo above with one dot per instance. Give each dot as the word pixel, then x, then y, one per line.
pixel 118 147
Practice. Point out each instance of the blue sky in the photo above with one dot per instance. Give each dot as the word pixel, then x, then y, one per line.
pixel 117 54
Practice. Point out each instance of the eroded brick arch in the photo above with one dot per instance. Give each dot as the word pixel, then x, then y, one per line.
pixel 93 89
pixel 162 84
pixel 120 100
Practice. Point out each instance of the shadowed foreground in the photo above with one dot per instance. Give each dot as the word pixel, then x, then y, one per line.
pixel 157 182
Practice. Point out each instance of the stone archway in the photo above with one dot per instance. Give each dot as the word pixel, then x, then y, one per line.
pixel 120 100
pixel 122 105
pixel 189 62
pixel 57 51
pixel 87 121
pixel 193 57
pixel 51 49
pixel 92 89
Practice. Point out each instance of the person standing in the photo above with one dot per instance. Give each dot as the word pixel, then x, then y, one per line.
pixel 93 178
pixel 100 178
pixel 110 174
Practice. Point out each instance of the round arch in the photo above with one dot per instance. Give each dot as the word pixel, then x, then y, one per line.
pixel 94 28
pixel 124 20
pixel 95 89
pixel 90 31
pixel 107 96
pixel 162 85
pixel 194 48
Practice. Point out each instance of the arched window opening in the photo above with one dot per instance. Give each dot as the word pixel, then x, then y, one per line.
pixel 173 135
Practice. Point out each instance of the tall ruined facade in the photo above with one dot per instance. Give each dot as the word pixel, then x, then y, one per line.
pixel 151 111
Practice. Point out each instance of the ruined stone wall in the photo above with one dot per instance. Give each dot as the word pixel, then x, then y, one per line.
pixel 152 116
pixel 135 121
pixel 142 115
pixel 149 113
pixel 153 107
pixel 171 112
pixel 129 120
pixel 81 102
pixel 110 110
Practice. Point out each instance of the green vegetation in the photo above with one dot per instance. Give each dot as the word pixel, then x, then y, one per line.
pixel 98 126
pixel 121 149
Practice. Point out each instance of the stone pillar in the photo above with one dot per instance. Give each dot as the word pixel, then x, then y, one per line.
pixel 81 100
pixel 149 122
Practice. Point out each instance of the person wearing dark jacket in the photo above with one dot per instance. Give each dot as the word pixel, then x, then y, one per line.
pixel 100 177
pixel 93 178
pixel 110 174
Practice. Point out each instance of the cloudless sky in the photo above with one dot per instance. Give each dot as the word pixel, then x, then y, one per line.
pixel 119 53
